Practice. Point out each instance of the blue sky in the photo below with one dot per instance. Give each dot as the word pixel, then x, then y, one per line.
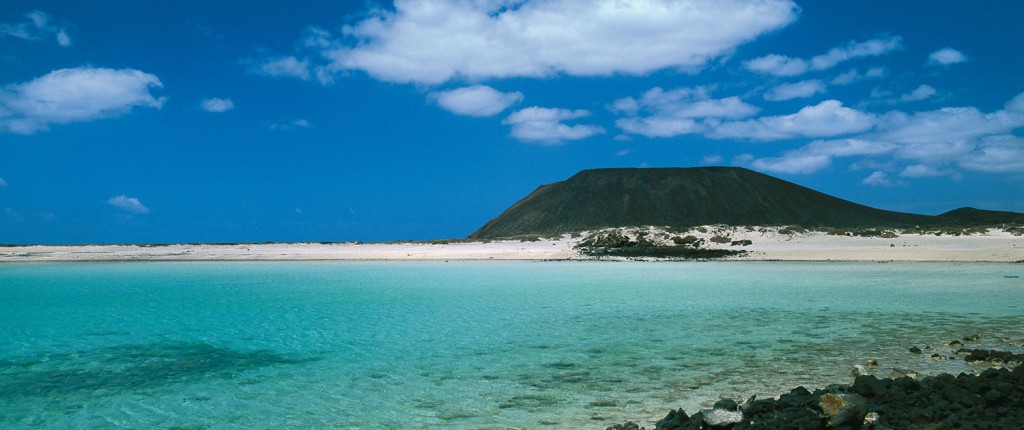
pixel 227 121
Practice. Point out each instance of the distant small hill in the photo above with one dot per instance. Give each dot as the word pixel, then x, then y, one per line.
pixel 682 197
pixel 981 216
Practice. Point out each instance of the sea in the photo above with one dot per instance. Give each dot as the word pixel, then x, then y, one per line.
pixel 468 345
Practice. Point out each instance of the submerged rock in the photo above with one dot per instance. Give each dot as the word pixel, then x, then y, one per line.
pixel 903 373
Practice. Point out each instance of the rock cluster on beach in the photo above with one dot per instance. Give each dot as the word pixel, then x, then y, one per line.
pixel 993 399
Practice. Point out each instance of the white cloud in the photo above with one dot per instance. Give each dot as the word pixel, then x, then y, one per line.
pixel 780 65
pixel 36 26
pixel 74 95
pixel 854 49
pixel 848 147
pixel 828 118
pixel 930 143
pixel 660 113
pixel 476 100
pixel 12 215
pixel 796 90
pixel 854 76
pixel 282 67
pixel 802 164
pixel 946 125
pixel 435 41
pixel 922 171
pixel 217 105
pixel 290 125
pixel 997 154
pixel 920 93
pixel 818 155
pixel 710 160
pixel 878 179
pixel 63 39
pixel 547 125
pixel 946 56
pixel 130 204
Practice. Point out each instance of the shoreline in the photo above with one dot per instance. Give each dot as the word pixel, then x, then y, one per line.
pixel 759 244
pixel 989 396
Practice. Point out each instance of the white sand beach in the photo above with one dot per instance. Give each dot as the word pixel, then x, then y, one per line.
pixel 766 244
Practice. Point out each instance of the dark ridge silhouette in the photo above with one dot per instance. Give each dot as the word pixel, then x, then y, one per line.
pixel 981 216
pixel 684 197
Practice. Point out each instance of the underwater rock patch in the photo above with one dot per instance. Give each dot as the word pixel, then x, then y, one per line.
pixel 114 369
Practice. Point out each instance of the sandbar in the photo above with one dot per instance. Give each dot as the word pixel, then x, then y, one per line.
pixel 765 244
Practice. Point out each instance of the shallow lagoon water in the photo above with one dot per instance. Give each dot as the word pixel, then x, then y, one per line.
pixel 483 345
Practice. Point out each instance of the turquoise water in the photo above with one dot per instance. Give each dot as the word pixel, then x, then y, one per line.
pixel 488 345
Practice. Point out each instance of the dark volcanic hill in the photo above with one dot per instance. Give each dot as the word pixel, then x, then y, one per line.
pixel 682 197
pixel 981 216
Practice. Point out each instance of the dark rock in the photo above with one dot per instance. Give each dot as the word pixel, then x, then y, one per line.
pixel 907 384
pixel 841 409
pixel 798 396
pixel 726 404
pixel 625 426
pixel 915 350
pixel 993 399
pixel 673 421
pixel 870 386
pixel 696 421
pixel 974 355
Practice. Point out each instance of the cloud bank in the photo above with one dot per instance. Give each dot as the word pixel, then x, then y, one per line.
pixel 75 95
pixel 929 143
pixel 436 41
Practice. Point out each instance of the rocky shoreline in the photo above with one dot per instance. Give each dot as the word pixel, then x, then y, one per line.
pixel 992 399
